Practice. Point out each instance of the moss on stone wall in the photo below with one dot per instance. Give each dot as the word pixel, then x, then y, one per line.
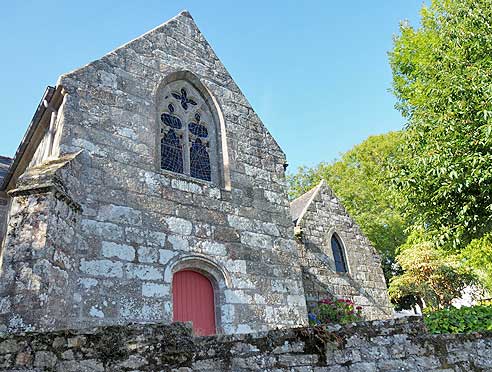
pixel 393 345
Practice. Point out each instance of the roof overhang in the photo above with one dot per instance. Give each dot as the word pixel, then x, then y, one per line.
pixel 299 206
pixel 52 99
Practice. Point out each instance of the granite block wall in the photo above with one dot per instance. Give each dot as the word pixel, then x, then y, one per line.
pixel 137 224
pixel 364 282
pixel 40 245
pixel 395 345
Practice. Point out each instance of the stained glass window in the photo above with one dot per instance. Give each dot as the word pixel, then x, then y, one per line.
pixel 338 255
pixel 199 161
pixel 183 98
pixel 198 130
pixel 171 152
pixel 186 119
pixel 171 121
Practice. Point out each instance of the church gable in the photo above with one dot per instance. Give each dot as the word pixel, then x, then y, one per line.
pixel 154 178
pixel 336 258
pixel 175 174
pixel 129 80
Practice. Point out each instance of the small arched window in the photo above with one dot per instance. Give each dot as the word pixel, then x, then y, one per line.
pixel 188 132
pixel 338 254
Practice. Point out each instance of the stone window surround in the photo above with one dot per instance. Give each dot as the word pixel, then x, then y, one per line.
pixel 4 208
pixel 170 175
pixel 214 272
pixel 329 253
pixel 220 157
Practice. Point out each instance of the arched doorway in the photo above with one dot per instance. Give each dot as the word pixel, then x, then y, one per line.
pixel 193 300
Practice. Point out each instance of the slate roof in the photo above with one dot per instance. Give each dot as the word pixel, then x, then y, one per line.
pixel 299 206
pixel 4 167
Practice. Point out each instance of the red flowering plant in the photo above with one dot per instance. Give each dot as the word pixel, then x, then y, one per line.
pixel 330 311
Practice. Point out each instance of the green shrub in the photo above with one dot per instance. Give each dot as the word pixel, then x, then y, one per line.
pixel 329 311
pixel 463 320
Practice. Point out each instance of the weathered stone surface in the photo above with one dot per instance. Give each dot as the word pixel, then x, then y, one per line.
pixel 318 215
pixel 121 251
pixel 120 215
pixel 112 259
pixel 148 255
pixel 179 225
pixel 160 347
pixel 155 290
pixel 143 272
pixel 104 268
pixel 97 228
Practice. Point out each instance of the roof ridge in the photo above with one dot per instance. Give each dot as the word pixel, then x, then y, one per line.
pixel 300 205
pixel 183 13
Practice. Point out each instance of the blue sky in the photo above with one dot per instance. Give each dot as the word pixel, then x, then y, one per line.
pixel 316 72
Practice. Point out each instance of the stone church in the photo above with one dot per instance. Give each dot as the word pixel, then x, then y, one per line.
pixel 146 189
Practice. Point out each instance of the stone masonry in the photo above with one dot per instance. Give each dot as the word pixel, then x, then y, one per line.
pixel 97 229
pixel 4 199
pixel 318 215
pixel 396 345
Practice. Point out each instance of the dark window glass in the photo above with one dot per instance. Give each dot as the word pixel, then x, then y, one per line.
pixel 183 98
pixel 198 130
pixel 338 255
pixel 171 121
pixel 171 152
pixel 199 161
pixel 185 139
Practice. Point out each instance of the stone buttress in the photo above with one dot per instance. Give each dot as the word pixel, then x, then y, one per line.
pixel 40 247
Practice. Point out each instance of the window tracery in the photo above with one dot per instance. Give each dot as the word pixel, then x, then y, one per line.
pixel 187 132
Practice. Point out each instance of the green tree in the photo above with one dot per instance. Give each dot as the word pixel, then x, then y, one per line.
pixel 431 277
pixel 362 182
pixel 442 78
pixel 478 256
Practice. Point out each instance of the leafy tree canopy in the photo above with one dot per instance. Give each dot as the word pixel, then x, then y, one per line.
pixel 441 163
pixel 361 180
pixel 442 78
pixel 429 274
pixel 478 256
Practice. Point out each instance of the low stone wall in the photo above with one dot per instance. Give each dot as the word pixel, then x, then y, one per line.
pixel 392 345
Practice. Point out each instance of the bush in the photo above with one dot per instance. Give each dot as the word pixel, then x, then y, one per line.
pixel 328 311
pixel 463 320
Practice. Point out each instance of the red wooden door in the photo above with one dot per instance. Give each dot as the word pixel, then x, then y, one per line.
pixel 193 300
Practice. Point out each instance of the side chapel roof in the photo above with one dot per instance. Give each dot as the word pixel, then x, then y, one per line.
pixel 299 206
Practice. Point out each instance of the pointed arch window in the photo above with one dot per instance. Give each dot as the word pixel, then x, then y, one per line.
pixel 338 254
pixel 188 133
pixel 171 149
pixel 199 161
